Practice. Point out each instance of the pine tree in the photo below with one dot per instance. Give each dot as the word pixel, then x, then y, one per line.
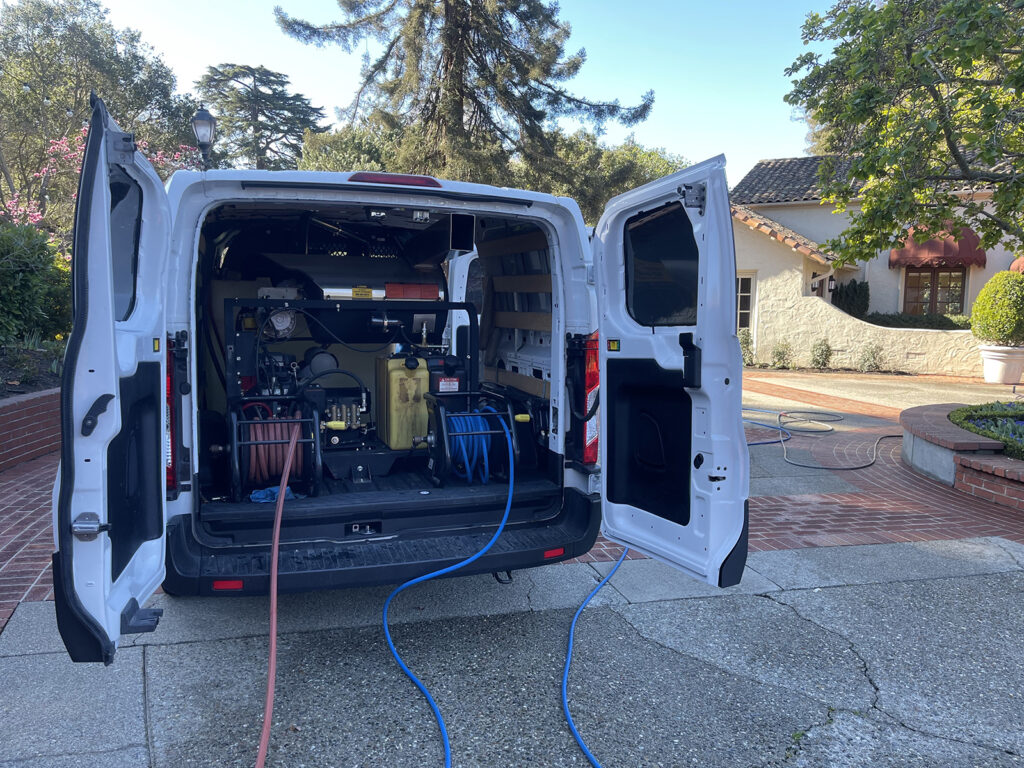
pixel 259 122
pixel 470 82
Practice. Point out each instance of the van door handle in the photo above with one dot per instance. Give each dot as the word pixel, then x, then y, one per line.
pixel 691 361
pixel 89 422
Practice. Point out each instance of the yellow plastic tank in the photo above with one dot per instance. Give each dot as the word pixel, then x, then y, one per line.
pixel 401 409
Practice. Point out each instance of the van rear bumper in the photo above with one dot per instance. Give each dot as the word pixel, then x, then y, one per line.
pixel 193 568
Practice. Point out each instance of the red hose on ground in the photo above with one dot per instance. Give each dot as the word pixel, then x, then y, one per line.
pixel 268 706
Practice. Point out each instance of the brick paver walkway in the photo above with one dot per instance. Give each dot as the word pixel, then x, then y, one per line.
pixel 26 538
pixel 891 504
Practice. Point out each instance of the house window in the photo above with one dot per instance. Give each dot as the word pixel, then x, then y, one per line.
pixel 744 300
pixel 934 290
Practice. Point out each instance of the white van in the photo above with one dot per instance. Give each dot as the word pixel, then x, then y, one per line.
pixel 376 311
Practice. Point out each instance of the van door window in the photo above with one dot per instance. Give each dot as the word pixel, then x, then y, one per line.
pixel 661 267
pixel 125 223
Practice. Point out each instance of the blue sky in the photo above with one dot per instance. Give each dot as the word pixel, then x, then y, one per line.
pixel 716 67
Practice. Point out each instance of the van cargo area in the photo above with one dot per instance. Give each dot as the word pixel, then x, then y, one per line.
pixel 339 319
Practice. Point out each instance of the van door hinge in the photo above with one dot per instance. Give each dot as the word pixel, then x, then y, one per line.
pixel 121 148
pixel 590 274
pixel 694 195
pixel 87 526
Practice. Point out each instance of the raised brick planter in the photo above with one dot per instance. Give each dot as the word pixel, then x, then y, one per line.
pixel 931 442
pixel 993 478
pixel 29 427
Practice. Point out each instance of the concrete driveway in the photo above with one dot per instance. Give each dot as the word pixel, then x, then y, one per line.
pixel 905 653
pixel 885 655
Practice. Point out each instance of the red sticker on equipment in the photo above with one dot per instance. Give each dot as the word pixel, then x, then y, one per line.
pixel 448 385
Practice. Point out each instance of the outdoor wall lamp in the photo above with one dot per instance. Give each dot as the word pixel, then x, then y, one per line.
pixel 831 283
pixel 204 126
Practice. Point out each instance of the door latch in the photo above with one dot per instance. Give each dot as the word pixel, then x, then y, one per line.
pixel 87 526
pixel 694 196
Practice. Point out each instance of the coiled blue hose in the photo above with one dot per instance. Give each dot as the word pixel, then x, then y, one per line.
pixel 472 449
pixel 472 454
pixel 568 662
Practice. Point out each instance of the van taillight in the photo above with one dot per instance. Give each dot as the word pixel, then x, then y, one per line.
pixel 169 415
pixel 592 379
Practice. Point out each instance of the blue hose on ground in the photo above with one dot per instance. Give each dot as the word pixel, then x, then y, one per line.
pixel 568 662
pixel 471 452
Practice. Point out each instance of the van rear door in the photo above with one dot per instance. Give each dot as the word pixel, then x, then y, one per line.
pixel 109 510
pixel 674 464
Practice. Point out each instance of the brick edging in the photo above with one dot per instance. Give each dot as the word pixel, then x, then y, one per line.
pixel 29 427
pixel 931 423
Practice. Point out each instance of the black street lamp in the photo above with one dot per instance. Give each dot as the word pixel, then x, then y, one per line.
pixel 204 126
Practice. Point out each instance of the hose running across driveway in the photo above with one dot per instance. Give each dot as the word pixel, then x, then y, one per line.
pixel 785 422
pixel 268 704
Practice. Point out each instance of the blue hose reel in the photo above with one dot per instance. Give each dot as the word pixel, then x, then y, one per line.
pixel 463 426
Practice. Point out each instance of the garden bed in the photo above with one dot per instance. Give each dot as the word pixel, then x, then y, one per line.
pixel 1000 421
pixel 23 371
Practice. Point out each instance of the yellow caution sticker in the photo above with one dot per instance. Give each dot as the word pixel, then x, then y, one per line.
pixel 614 345
pixel 362 292
pixel 156 345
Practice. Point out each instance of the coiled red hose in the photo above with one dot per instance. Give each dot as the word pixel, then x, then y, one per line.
pixel 266 462
pixel 275 545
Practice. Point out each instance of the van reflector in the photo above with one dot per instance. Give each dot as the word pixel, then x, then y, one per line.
pixel 556 552
pixel 592 380
pixel 170 416
pixel 411 291
pixel 226 585
pixel 406 179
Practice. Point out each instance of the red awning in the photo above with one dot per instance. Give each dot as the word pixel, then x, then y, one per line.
pixel 946 251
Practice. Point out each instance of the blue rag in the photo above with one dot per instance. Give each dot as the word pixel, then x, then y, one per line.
pixel 269 495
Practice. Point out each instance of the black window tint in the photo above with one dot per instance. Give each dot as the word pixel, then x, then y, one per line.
pixel 661 267
pixel 125 221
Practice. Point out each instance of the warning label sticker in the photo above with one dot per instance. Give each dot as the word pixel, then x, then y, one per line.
pixel 362 292
pixel 446 384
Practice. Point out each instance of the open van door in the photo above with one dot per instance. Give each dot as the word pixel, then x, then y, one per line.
pixel 109 502
pixel 674 463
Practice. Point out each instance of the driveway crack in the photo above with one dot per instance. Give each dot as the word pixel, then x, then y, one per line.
pixel 1013 555
pixel 875 703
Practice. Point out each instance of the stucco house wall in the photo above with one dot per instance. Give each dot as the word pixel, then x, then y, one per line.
pixel 783 313
pixel 819 222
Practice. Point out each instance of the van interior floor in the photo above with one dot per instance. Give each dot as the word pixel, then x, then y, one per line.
pixel 403 499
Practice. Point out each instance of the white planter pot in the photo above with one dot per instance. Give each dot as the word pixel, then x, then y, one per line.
pixel 1002 365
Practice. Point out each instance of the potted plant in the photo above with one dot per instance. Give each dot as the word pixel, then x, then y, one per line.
pixel 997 320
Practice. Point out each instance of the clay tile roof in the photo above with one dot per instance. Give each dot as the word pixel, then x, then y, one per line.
pixel 784 235
pixel 784 180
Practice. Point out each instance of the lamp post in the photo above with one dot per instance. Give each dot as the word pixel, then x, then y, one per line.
pixel 204 126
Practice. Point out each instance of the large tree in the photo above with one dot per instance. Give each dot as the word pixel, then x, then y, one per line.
pixel 923 98
pixel 259 121
pixel 471 81
pixel 52 54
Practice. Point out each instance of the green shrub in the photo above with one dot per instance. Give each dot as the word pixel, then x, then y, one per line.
pixel 746 346
pixel 852 297
pixel 998 314
pixel 870 358
pixel 782 355
pixel 903 320
pixel 1000 421
pixel 27 268
pixel 821 353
